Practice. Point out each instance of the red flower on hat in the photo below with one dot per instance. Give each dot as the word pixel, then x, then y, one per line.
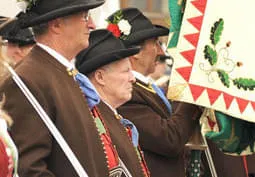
pixel 114 28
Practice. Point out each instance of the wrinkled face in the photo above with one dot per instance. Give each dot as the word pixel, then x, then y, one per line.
pixel 77 29
pixel 118 79
pixel 148 55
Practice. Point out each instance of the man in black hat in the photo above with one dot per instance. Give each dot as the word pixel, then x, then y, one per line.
pixel 106 64
pixel 18 44
pixel 164 129
pixel 61 30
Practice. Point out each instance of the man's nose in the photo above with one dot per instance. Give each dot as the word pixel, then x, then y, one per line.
pixel 91 24
pixel 132 77
pixel 160 50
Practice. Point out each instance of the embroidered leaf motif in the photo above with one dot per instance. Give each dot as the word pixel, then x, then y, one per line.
pixel 100 126
pixel 244 83
pixel 210 54
pixel 224 77
pixel 216 31
pixel 214 56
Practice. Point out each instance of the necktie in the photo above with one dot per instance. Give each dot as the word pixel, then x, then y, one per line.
pixel 162 96
pixel 128 124
pixel 88 89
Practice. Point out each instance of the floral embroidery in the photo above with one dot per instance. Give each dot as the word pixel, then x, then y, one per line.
pixel 216 57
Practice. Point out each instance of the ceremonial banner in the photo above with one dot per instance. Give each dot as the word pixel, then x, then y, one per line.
pixel 214 60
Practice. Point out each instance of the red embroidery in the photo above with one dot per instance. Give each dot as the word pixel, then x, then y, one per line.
pixel 196 91
pixel 192 38
pixel 111 153
pixel 242 104
pixel 228 99
pixel 213 95
pixel 200 5
pixel 189 55
pixel 253 105
pixel 196 22
pixel 185 72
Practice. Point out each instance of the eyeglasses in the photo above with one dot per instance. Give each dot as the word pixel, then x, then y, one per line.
pixel 86 17
pixel 4 42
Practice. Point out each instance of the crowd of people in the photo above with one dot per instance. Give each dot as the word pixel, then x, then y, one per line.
pixel 107 116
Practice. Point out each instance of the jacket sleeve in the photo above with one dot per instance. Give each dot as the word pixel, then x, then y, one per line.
pixel 164 136
pixel 29 133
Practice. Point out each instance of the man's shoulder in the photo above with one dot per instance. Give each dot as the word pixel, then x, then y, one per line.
pixel 142 90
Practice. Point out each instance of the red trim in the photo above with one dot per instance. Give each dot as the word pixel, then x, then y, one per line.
pixel 213 95
pixel 189 55
pixel 245 166
pixel 196 22
pixel 196 91
pixel 253 105
pixel 200 5
pixel 228 99
pixel 192 38
pixel 185 72
pixel 111 152
pixel 242 104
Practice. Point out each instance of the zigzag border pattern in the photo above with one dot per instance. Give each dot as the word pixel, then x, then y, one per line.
pixel 189 55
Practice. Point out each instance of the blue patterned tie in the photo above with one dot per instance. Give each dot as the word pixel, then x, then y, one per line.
pixel 128 124
pixel 162 96
pixel 88 89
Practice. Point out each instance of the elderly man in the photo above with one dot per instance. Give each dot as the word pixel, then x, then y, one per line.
pixel 17 43
pixel 61 30
pixel 106 64
pixel 163 129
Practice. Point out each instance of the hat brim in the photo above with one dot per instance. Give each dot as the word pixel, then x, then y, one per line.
pixel 140 36
pixel 71 9
pixel 106 58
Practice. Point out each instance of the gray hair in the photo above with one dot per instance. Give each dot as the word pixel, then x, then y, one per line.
pixel 40 29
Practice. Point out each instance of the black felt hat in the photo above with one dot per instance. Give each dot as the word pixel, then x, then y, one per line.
pixel 40 11
pixel 103 49
pixel 3 20
pixel 9 32
pixel 141 27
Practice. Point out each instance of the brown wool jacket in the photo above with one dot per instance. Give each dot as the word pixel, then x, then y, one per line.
pixel 60 96
pixel 162 136
pixel 121 140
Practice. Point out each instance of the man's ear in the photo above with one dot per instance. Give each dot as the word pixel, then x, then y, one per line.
pixel 55 25
pixel 133 59
pixel 99 76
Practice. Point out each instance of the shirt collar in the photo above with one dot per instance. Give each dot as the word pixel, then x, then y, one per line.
pixel 60 58
pixel 114 110
pixel 141 77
